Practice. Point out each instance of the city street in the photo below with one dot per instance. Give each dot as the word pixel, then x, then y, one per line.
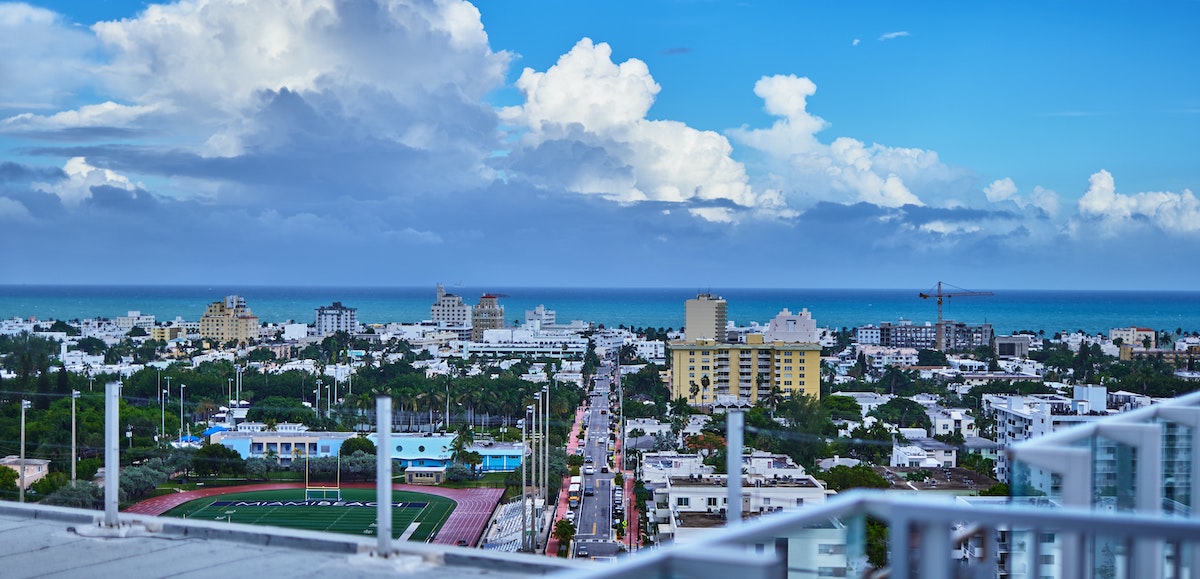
pixel 595 514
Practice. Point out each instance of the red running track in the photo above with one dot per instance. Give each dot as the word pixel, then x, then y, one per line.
pixel 467 522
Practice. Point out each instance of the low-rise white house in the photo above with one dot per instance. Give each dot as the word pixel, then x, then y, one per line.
pixel 925 453
pixel 950 420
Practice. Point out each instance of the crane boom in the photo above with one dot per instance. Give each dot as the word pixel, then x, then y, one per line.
pixel 939 294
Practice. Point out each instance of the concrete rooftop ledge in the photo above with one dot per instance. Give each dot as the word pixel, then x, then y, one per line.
pixel 49 541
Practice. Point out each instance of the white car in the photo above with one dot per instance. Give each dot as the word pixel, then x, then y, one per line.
pixel 589 469
pixel 570 516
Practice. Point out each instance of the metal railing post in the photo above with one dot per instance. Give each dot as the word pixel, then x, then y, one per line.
pixel 112 453
pixel 383 476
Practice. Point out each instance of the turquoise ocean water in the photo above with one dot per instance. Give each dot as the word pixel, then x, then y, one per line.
pixel 1007 311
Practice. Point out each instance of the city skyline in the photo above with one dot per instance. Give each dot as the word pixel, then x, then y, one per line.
pixel 749 144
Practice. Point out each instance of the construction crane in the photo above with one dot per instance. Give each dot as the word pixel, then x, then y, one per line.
pixel 939 294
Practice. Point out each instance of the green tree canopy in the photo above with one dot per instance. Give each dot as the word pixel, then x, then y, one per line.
pixel 356 444
pixel 902 412
pixel 840 478
pixel 280 409
pixel 842 407
pixel 212 459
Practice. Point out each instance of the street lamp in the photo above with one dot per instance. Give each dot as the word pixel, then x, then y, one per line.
pixel 181 387
pixel 319 383
pixel 74 452
pixel 24 406
pixel 546 446
pixel 524 490
pixel 162 406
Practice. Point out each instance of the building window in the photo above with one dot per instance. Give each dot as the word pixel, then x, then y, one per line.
pixel 831 549
pixel 766 501
pixel 712 501
pixel 683 502
pixel 799 502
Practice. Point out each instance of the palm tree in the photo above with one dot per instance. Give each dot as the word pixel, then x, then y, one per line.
pixel 693 389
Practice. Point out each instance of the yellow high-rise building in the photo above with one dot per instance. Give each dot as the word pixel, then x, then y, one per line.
pixel 703 369
pixel 229 320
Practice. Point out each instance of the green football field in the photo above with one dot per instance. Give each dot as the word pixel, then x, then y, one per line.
pixel 429 512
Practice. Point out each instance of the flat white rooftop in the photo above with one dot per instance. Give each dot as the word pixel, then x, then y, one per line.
pixel 40 541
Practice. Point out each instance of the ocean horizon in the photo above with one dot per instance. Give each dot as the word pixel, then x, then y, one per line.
pixel 1092 311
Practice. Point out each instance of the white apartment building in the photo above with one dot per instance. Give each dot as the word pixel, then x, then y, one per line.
pixel 867 335
pixel 690 506
pixel 449 311
pixel 336 318
pixel 135 318
pixel 789 327
pixel 652 350
pixel 1134 336
pixel 1020 418
pixel 880 357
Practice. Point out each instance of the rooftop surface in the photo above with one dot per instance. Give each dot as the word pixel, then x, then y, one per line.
pixel 41 541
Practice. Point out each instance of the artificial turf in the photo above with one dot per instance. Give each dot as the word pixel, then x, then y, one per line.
pixel 353 520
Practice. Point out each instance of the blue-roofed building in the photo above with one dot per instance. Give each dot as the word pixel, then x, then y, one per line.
pixel 283 445
pixel 499 456
pixel 436 450
pixel 420 450
pixel 286 442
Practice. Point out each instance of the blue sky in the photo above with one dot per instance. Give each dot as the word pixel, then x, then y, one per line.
pixel 685 143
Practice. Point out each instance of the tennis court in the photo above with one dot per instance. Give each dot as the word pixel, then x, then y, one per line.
pixel 354 514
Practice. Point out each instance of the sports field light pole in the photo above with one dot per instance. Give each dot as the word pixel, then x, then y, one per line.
pixel 181 387
pixel 524 493
pixel 24 406
pixel 162 407
pixel 546 448
pixel 166 395
pixel 535 434
pixel 318 397
pixel 383 476
pixel 74 452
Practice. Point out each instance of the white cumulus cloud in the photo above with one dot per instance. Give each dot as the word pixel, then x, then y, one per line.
pixel 1172 212
pixel 1005 190
pixel 80 178
pixel 846 170
pixel 1000 190
pixel 44 59
pixel 586 103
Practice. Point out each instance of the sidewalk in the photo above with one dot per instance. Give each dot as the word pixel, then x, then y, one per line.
pixel 560 506
pixel 631 539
